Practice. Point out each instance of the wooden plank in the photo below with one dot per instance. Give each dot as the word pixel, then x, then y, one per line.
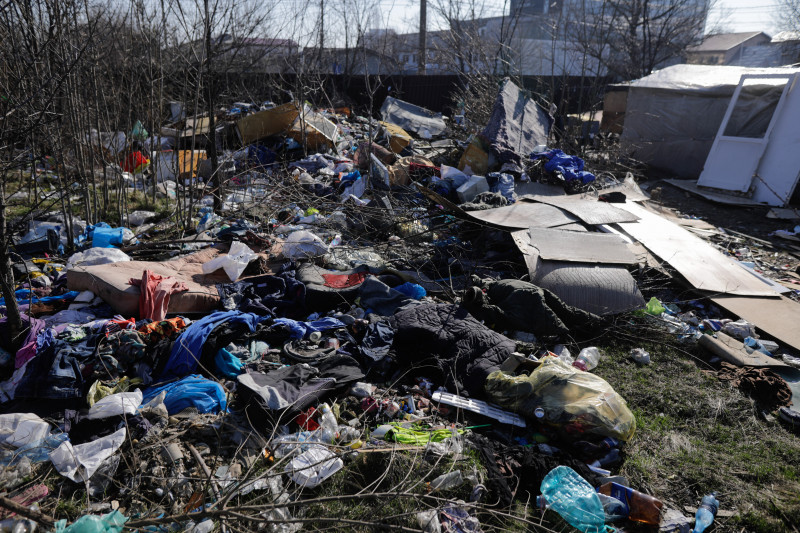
pixel 777 317
pixel 589 211
pixel 702 265
pixel 560 245
pixel 733 351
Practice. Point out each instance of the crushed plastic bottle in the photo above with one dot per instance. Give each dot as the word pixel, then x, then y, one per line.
pixel 329 429
pixel 572 497
pixel 641 507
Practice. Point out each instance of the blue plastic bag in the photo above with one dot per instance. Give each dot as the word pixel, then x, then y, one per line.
pixel 192 391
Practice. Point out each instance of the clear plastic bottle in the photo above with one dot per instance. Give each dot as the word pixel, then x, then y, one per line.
pixel 447 481
pixel 706 513
pixel 329 429
pixel 587 359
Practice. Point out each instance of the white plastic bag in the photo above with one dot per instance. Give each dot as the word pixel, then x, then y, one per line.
pixel 233 263
pixel 79 463
pixel 303 244
pixel 121 403
pixel 314 466
pixel 18 429
pixel 97 256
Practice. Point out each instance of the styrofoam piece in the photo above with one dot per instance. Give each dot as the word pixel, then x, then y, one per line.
pixel 473 187
pixel 480 407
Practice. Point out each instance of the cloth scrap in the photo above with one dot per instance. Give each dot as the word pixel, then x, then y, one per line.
pixel 155 291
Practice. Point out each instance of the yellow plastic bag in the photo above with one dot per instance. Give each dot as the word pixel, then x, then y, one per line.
pixel 576 400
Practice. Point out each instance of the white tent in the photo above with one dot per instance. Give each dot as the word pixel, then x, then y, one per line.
pixel 673 115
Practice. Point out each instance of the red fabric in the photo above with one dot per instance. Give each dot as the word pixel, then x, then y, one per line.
pixel 134 161
pixel 155 291
pixel 343 281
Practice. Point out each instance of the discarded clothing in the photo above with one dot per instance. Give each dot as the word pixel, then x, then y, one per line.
pixel 276 295
pixel 301 330
pixel 379 298
pixel 519 305
pixel 154 294
pixel 570 166
pixel 378 340
pixel 192 391
pixel 188 347
pixel 281 394
pixel 28 349
pixel 452 342
pixel 165 329
pixel 763 385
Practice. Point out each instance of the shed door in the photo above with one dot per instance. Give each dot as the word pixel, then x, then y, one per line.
pixel 744 133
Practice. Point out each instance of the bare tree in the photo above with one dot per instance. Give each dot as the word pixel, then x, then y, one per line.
pixel 632 37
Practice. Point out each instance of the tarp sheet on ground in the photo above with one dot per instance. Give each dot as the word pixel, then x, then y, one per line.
pixel 410 117
pixel 517 125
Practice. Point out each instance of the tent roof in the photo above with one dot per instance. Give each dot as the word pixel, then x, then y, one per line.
pixel 702 78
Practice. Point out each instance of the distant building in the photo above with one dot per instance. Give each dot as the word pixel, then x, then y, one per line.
pixel 725 48
pixel 359 60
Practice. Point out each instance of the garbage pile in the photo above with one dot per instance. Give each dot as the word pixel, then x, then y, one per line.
pixel 337 304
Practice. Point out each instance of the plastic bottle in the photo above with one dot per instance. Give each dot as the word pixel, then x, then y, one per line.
pixel 329 429
pixel 706 513
pixel 573 498
pixel 447 481
pixel 609 459
pixel 587 359
pixel 590 449
pixel 642 507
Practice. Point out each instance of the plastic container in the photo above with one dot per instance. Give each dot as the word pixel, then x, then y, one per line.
pixel 706 513
pixel 641 507
pixel 613 509
pixel 329 428
pixel 587 359
pixel 572 497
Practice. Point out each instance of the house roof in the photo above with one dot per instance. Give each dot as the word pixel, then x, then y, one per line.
pixel 706 78
pixel 724 41
pixel 785 36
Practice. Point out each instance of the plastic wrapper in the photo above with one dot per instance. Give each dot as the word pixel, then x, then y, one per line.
pixel 302 245
pixel 97 256
pixel 112 522
pixel 233 263
pixel 569 397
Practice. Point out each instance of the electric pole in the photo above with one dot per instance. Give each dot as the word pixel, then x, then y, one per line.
pixel 423 36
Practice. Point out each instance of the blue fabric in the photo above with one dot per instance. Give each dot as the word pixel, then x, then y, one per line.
pixel 192 391
pixel 228 365
pixel 412 290
pixel 188 346
pixel 570 166
pixel 502 183
pixel 23 296
pixel 301 330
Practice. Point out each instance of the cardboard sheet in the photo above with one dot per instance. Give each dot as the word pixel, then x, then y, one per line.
pixel 589 211
pixel 701 264
pixel 777 317
pixel 590 247
pixel 734 352
pixel 523 215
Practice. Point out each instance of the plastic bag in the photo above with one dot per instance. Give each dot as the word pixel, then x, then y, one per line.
pixel 121 403
pixel 303 244
pixel 233 263
pixel 19 429
pixel 137 218
pixel 567 395
pixel 80 462
pixel 112 522
pixel 97 256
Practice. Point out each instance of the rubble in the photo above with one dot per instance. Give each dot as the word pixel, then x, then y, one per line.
pixel 362 288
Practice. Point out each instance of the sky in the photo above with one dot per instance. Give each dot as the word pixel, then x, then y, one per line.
pixel 727 15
